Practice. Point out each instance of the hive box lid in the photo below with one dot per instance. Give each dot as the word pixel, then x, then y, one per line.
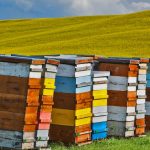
pixel 71 59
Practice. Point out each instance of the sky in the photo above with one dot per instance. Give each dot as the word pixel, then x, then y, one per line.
pixel 13 9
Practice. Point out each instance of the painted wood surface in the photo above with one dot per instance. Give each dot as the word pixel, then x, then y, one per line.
pixel 140 131
pixel 10 143
pixel 70 71
pixel 83 128
pixel 118 95
pixel 132 88
pixel 99 119
pixel 115 109
pixel 11 85
pixel 12 135
pixel 82 112
pixel 99 136
pixel 147 106
pixel 120 117
pixel 118 80
pixel 36 75
pixel 97 74
pixel 102 102
pixel 142 86
pixel 142 78
pixel 83 105
pixel 140 122
pixel 99 127
pixel 44 126
pixel 100 80
pixel 121 103
pixel 101 109
pixel 100 114
pixel 42 134
pixel 115 69
pixel 41 144
pixel 68 100
pixel 100 94
pixel 117 129
pixel 100 87
pixel 141 101
pixel 48 92
pixel 83 121
pixel 83 138
pixel 140 107
pixel 85 79
pixel 50 75
pixel 51 68
pixel 63 117
pixel 13 69
pixel 140 116
pixel 17 103
pixel 132 80
pixel 73 60
pixel 147 120
pixel 68 85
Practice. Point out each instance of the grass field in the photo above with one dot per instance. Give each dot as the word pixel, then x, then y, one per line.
pixel 112 144
pixel 115 35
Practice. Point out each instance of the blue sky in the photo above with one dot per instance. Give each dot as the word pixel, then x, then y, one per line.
pixel 12 9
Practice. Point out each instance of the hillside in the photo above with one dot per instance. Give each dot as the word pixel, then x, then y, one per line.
pixel 115 35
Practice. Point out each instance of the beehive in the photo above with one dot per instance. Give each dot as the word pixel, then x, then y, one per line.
pixel 99 106
pixel 148 99
pixel 46 102
pixel 141 97
pixel 72 112
pixel 19 101
pixel 122 94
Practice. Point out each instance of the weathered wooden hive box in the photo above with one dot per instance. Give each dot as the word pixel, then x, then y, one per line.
pixel 122 91
pixel 99 105
pixel 46 102
pixel 141 97
pixel 72 109
pixel 19 101
pixel 148 99
pixel 26 100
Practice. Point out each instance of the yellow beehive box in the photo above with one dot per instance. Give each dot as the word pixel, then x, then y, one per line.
pixel 63 117
pixel 100 94
pixel 48 92
pixel 101 102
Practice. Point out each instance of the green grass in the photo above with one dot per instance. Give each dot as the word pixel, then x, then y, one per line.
pixel 111 144
pixel 114 35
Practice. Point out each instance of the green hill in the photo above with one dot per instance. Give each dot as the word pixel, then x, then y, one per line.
pixel 114 35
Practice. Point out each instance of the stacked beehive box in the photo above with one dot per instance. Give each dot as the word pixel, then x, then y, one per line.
pixel 72 112
pixel 99 110
pixel 141 97
pixel 122 95
pixel 148 99
pixel 46 102
pixel 19 101
pixel 46 98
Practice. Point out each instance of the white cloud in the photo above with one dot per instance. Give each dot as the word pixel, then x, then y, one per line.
pixel 85 7
pixel 93 7
pixel 140 5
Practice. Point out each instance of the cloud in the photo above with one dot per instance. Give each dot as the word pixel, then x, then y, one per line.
pixel 140 5
pixel 93 7
pixel 59 8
